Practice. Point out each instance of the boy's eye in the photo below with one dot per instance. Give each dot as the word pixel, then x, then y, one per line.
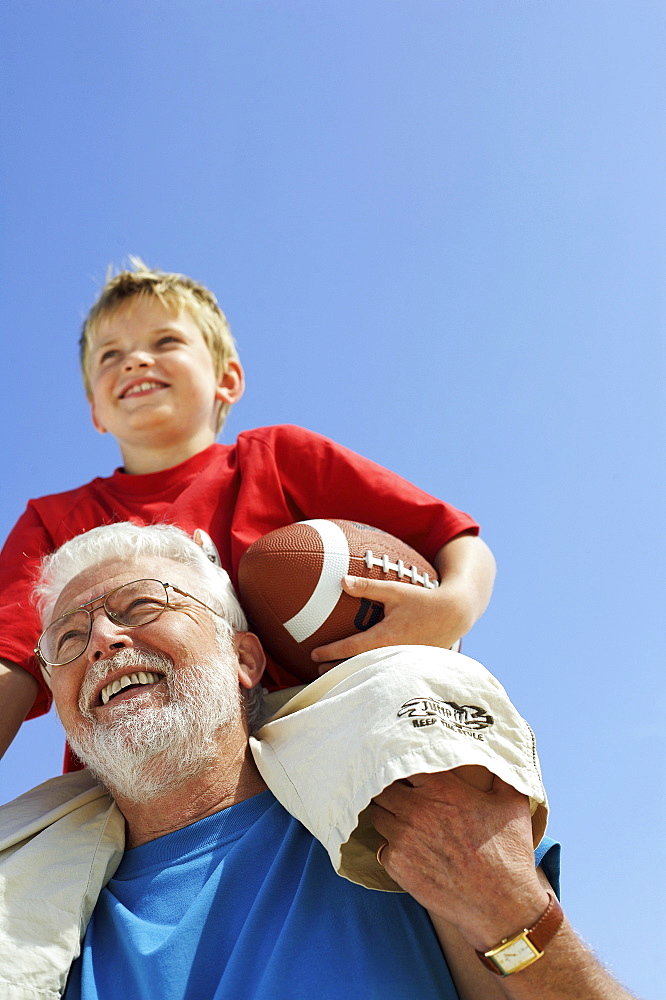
pixel 107 355
pixel 167 339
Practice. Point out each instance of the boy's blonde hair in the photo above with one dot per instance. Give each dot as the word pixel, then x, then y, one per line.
pixel 174 292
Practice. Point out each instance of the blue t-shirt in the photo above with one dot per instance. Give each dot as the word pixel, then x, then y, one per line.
pixel 245 905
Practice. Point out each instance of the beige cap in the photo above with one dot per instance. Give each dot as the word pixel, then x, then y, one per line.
pixel 382 716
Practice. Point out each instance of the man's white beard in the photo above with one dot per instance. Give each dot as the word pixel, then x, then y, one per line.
pixel 145 752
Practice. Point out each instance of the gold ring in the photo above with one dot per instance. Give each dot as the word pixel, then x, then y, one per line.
pixel 379 853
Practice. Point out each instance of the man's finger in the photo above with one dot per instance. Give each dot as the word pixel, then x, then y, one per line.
pixel 473 774
pixel 393 795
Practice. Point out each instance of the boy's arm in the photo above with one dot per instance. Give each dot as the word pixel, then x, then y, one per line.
pixel 440 617
pixel 18 690
pixel 466 568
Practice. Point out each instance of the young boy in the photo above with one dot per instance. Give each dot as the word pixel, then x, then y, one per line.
pixel 161 371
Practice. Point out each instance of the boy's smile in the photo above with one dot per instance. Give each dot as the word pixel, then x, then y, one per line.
pixel 154 385
pixel 141 386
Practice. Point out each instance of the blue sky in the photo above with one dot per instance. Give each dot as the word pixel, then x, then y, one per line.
pixel 437 228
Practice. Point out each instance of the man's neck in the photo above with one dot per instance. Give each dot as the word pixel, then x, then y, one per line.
pixel 214 789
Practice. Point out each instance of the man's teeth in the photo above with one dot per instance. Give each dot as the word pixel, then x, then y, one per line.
pixel 143 387
pixel 123 682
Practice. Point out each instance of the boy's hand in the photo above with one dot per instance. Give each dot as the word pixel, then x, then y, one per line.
pixel 413 614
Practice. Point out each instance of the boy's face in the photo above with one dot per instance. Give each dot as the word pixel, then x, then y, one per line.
pixel 154 387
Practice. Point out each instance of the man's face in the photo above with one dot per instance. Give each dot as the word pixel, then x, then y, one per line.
pixel 181 698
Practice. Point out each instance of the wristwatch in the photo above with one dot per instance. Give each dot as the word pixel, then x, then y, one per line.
pixel 516 953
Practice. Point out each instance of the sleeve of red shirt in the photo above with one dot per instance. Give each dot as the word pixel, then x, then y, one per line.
pixel 20 560
pixel 323 479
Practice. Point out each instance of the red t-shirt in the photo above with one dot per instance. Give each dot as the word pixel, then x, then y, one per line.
pixel 272 476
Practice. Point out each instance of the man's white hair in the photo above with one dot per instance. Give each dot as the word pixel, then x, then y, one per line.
pixel 132 542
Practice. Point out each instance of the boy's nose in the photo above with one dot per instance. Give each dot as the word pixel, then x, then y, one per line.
pixel 138 359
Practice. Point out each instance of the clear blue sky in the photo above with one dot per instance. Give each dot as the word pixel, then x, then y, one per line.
pixel 437 227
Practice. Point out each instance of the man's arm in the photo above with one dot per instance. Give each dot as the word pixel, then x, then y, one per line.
pixel 440 617
pixel 466 855
pixel 557 979
pixel 18 689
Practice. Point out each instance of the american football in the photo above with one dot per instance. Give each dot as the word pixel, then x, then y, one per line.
pixel 290 585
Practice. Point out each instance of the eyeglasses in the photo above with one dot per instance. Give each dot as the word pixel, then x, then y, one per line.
pixel 131 605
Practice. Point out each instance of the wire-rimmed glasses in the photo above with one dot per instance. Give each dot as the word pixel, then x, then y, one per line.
pixel 131 605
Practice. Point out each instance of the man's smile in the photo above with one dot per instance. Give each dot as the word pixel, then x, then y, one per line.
pixel 128 674
pixel 139 678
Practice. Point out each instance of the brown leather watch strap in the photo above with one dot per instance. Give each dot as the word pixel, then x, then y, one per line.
pixel 538 935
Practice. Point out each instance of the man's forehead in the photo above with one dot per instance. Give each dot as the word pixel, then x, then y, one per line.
pixel 104 576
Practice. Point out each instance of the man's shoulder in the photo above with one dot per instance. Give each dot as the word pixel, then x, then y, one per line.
pixel 40 807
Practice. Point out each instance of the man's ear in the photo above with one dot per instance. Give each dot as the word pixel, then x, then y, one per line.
pixel 231 385
pixel 97 424
pixel 251 659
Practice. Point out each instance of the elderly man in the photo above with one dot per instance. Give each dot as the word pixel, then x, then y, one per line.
pixel 220 893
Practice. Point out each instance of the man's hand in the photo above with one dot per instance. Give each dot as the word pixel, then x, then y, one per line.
pixel 466 855
pixel 463 853
pixel 414 615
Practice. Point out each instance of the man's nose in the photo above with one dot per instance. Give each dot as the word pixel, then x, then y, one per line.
pixel 106 636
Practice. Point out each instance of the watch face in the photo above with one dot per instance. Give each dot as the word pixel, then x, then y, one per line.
pixel 515 955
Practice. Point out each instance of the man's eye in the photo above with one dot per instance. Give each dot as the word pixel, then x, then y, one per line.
pixel 138 603
pixel 141 609
pixel 70 639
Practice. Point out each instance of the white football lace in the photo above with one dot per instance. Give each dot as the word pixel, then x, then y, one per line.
pixel 386 566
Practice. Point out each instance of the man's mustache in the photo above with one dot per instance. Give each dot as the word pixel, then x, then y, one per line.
pixel 124 659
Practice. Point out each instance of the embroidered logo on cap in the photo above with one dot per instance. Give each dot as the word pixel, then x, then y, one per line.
pixel 466 719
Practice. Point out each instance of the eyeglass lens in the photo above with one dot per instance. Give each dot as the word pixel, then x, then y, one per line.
pixel 133 604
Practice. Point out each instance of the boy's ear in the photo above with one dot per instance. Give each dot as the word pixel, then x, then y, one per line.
pixel 95 419
pixel 232 383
